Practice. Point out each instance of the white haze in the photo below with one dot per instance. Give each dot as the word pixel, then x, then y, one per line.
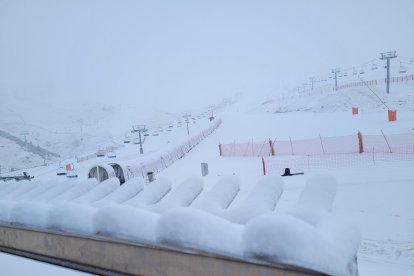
pixel 178 55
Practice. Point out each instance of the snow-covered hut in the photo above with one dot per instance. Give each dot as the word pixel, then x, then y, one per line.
pixel 123 172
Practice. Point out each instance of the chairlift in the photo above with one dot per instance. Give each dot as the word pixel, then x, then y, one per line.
pixel 127 140
pixel 146 134
pixel 402 69
pixel 72 174
pixel 169 129
pixel 362 71
pixel 101 153
pixel 155 134
pixel 374 66
pixel 111 154
pixel 61 170
pixel 135 140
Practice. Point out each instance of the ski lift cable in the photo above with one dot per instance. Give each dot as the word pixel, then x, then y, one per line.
pixel 366 84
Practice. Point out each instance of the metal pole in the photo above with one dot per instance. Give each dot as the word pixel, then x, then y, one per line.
pixel 139 129
pixel 388 56
pixel 141 151
pixel 186 116
pixel 335 71
pixel 388 75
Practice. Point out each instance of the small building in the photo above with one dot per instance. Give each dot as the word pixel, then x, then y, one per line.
pixel 123 172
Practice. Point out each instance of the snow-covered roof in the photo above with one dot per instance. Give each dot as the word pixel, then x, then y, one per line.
pixel 306 236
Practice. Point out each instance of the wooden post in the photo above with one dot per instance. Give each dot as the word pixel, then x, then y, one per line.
pixel 320 138
pixel 264 166
pixel 291 145
pixel 272 149
pixel 360 142
pixel 388 144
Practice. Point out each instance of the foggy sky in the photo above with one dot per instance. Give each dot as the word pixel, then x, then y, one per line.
pixel 188 53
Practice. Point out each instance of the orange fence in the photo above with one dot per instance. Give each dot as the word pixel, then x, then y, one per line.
pixel 390 143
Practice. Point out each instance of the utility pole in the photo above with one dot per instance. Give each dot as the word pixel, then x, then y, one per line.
pixel 211 107
pixel 312 79
pixel 25 133
pixel 186 116
pixel 139 129
pixel 336 71
pixel 388 56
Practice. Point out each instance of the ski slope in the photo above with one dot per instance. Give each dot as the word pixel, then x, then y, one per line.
pixel 375 198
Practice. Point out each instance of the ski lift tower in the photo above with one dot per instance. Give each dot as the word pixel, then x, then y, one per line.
pixel 24 134
pixel 336 71
pixel 139 129
pixel 388 56
pixel 186 116
pixel 211 107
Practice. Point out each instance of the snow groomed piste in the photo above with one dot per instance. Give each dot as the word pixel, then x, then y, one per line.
pixel 140 228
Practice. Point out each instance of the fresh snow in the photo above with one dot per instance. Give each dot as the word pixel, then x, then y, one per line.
pixel 235 210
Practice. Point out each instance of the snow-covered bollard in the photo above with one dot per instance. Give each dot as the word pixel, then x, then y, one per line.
pixel 204 169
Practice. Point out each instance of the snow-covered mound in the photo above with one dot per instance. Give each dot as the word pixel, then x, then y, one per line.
pixel 188 216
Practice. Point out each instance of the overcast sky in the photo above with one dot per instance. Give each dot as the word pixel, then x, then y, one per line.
pixel 188 53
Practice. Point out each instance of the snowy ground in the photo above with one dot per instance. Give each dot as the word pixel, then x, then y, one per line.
pixel 378 198
pixel 16 266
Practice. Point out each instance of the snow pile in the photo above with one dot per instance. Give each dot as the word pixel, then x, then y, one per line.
pixel 330 247
pixel 197 229
pixel 152 193
pixel 307 236
pixel 262 199
pixel 181 196
pixel 37 213
pixel 54 191
pixel 316 200
pixel 99 192
pixel 29 191
pixel 325 242
pixel 141 223
pixel 127 222
pixel 128 190
pixel 77 216
pixel 220 196
pixel 76 191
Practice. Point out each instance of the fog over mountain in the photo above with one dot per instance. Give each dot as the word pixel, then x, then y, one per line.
pixel 175 55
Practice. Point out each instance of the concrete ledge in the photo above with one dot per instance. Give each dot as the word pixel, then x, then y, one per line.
pixel 107 256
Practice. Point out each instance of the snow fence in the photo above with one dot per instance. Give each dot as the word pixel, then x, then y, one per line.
pixel 390 143
pixel 168 158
